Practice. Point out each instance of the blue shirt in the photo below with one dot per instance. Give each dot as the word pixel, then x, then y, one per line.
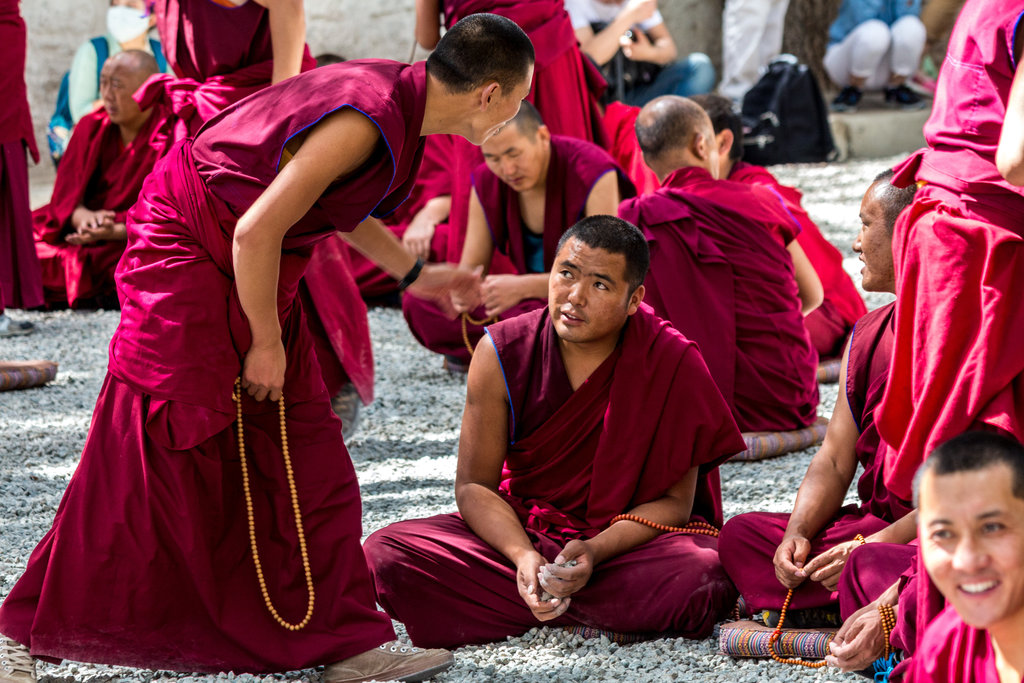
pixel 853 13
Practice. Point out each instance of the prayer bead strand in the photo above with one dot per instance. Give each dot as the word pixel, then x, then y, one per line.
pixel 468 319
pixel 860 537
pixel 237 396
pixel 888 617
pixel 691 528
pixel 778 632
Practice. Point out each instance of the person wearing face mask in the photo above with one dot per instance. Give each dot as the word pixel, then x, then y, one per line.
pixel 128 25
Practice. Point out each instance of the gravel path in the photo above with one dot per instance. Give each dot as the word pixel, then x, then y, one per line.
pixel 404 452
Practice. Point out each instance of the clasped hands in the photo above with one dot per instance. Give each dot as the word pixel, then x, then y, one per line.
pixel 792 567
pixel 535 575
pixel 497 294
pixel 94 226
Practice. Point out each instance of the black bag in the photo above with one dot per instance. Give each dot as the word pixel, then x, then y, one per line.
pixel 785 119
pixel 624 74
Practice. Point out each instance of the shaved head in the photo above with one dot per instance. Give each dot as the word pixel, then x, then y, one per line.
pixel 140 64
pixel 528 120
pixel 121 76
pixel 892 199
pixel 669 123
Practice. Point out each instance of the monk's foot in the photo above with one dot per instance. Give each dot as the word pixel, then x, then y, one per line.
pixel 394 661
pixel 814 617
pixel 346 406
pixel 13 328
pixel 16 664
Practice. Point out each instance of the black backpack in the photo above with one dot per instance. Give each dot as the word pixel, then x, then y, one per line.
pixel 785 119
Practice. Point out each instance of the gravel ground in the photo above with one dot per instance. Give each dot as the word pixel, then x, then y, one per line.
pixel 404 452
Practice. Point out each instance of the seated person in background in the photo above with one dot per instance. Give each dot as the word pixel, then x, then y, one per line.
pixel 810 546
pixel 530 189
pixel 970 497
pixel 751 39
pixel 80 234
pixel 721 272
pixel 873 45
pixel 576 413
pixel 830 323
pixel 636 27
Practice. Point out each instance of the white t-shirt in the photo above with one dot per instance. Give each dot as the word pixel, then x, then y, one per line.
pixel 587 12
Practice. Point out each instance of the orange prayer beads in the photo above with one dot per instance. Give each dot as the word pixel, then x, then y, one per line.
pixel 468 319
pixel 778 632
pixel 691 528
pixel 888 617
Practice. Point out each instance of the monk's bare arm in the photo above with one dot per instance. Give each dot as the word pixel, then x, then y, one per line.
pixel 287 36
pixel 604 196
pixel 602 46
pixel 428 23
pixel 807 281
pixel 1010 153
pixel 256 247
pixel 479 245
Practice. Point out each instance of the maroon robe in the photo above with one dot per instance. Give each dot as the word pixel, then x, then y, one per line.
pixel 148 561
pixel 574 460
pixel 620 124
pixel 830 323
pixel 721 273
pixel 953 651
pixel 575 166
pixel 98 171
pixel 748 541
pixel 870 570
pixel 20 280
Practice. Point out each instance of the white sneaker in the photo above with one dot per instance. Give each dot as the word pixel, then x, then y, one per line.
pixel 16 664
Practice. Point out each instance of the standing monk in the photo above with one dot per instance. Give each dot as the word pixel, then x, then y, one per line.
pixel 21 284
pixel 721 272
pixel 81 234
pixel 530 189
pixel 766 553
pixel 577 414
pixel 830 323
pixel 148 562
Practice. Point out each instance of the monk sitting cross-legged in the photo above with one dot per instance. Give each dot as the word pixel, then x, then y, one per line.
pixel 80 234
pixel 531 187
pixel 576 413
pixel 768 553
pixel 721 272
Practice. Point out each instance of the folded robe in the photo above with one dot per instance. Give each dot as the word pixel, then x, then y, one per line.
pixel 98 171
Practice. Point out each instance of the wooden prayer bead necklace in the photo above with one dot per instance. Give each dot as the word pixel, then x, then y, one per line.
pixel 467 319
pixel 888 617
pixel 777 633
pixel 237 396
pixel 691 528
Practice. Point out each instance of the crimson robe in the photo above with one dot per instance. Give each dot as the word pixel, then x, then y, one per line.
pixel 870 570
pixel 148 561
pixel 748 541
pixel 573 169
pixel 953 651
pixel 831 322
pixel 575 459
pixel 20 279
pixel 98 171
pixel 721 273
pixel 620 124
pixel 565 89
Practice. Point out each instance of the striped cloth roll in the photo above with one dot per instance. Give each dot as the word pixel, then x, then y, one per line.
pixel 750 639
pixel 761 445
pixel 618 638
pixel 828 371
pixel 26 374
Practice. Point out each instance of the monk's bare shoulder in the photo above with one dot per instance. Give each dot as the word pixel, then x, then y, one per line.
pixel 486 382
pixel 341 142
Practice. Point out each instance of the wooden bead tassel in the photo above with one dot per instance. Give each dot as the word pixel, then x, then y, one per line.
pixel 467 319
pixel 237 396
pixel 888 617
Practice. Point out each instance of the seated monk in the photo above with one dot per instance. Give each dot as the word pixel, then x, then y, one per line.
pixel 830 323
pixel 970 496
pixel 765 553
pixel 80 234
pixel 576 413
pixel 721 272
pixel 531 187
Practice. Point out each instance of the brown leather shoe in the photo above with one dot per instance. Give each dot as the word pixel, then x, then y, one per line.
pixel 394 661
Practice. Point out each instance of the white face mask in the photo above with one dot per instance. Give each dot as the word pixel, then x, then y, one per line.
pixel 125 23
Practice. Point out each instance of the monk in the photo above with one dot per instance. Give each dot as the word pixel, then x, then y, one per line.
pixel 530 189
pixel 565 90
pixel 766 554
pixel 830 323
pixel 149 562
pixel 721 272
pixel 577 413
pixel 80 234
pixel 970 496
pixel 20 279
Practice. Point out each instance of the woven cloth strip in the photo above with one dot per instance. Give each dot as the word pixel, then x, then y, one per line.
pixel 750 639
pixel 25 374
pixel 828 371
pixel 618 638
pixel 761 445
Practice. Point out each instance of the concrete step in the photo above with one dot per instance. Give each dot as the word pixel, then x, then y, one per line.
pixel 875 130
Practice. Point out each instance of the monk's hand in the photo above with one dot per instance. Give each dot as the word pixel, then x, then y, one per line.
pixel 528 581
pixel 418 235
pixel 860 640
pixel 500 293
pixel 467 300
pixel 789 561
pixel 828 566
pixel 263 370
pixel 570 571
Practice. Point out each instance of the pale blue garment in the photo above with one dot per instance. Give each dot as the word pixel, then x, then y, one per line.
pixel 853 13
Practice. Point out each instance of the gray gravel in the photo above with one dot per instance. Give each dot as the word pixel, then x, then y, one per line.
pixel 404 452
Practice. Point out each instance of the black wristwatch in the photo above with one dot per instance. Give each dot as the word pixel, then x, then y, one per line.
pixel 411 276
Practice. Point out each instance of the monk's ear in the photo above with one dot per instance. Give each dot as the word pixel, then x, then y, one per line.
pixel 700 146
pixel 635 299
pixel 489 94
pixel 725 141
pixel 543 134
